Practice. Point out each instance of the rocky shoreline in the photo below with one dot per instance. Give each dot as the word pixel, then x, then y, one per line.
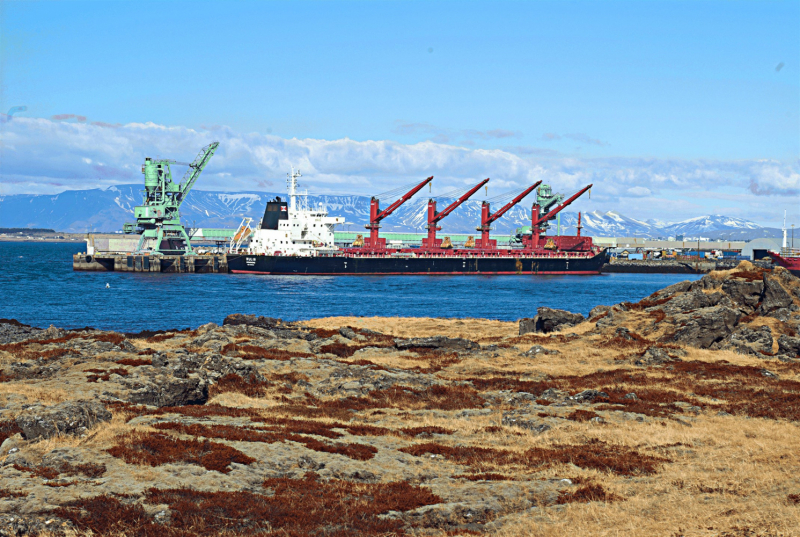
pixel 674 415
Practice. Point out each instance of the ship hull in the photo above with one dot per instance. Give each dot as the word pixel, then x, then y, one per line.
pixel 792 264
pixel 450 265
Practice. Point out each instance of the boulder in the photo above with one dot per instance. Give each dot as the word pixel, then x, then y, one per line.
pixel 789 346
pixel 598 310
pixel 167 390
pixel 693 300
pixel 437 342
pixel 250 320
pixel 348 332
pixel 675 288
pixel 550 320
pixel 72 417
pixel 746 340
pixel 775 296
pixel 538 350
pixel 743 293
pixel 705 326
pixel 654 356
pixel 588 396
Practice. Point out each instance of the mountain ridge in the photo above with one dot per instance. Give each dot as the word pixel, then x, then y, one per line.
pixel 107 209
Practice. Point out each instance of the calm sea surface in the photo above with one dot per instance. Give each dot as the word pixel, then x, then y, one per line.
pixel 38 287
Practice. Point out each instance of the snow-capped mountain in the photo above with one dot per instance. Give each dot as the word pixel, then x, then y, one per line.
pixel 106 210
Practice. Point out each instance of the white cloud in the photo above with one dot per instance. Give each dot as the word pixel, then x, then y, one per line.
pixel 47 156
pixel 638 191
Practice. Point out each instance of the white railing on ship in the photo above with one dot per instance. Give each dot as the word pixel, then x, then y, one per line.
pixel 790 252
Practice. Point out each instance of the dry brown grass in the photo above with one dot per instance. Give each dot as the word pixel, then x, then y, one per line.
pixel 672 473
pixel 408 327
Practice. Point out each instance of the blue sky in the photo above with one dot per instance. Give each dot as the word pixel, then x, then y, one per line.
pixel 674 109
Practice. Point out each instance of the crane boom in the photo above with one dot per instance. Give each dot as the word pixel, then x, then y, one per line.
pixel 434 217
pixel 487 218
pixel 511 203
pixel 552 213
pixel 195 169
pixel 391 208
pixel 453 206
pixel 376 215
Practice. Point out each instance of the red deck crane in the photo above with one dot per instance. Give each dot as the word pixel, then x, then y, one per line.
pixel 537 221
pixel 376 215
pixel 434 218
pixel 487 218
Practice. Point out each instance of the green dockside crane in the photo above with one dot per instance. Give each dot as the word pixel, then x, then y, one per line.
pixel 158 218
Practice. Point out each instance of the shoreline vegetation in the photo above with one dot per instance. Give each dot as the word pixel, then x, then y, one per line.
pixel 674 415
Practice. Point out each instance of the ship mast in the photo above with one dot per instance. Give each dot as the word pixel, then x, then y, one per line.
pixel 784 231
pixel 291 187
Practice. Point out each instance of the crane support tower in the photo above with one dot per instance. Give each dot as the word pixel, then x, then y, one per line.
pixel 376 215
pixel 435 217
pixel 487 218
pixel 158 218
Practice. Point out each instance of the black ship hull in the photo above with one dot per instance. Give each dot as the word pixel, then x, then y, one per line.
pixel 388 265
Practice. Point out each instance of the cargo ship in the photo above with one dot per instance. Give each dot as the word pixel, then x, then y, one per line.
pixel 295 239
pixel 788 258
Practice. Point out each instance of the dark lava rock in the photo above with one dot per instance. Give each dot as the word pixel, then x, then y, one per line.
pixel 654 356
pixel 437 342
pixel 72 417
pixel 743 293
pixel 598 310
pixel 693 300
pixel 775 297
pixel 746 340
pixel 12 331
pixel 705 326
pixel 789 346
pixel 250 320
pixel 348 333
pixel 549 320
pixel 680 287
pixel 524 421
pixel 166 390
pixel 587 396
pixel 536 350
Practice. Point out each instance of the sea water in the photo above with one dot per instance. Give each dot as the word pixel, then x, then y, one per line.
pixel 38 287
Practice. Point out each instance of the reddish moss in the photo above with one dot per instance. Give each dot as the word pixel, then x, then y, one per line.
pixel 5 493
pixel 234 383
pixel 8 429
pixel 51 472
pixel 436 397
pixel 325 333
pixel 582 415
pixel 595 454
pixel 154 449
pixel 794 499
pixel 244 434
pixel 116 339
pixel 587 493
pixel 160 337
pixel 253 352
pixel 484 477
pixel 135 362
pixel 295 507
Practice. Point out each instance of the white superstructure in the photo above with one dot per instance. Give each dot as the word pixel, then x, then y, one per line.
pixel 302 231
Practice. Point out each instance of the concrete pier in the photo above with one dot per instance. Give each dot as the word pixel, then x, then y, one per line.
pixel 148 263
